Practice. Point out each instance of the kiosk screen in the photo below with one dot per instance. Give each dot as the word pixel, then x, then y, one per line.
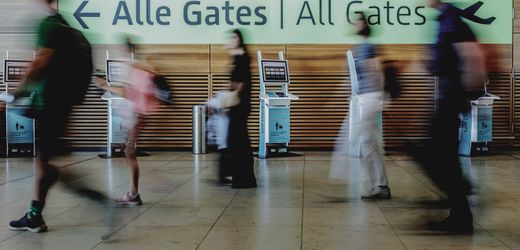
pixel 15 70
pixel 117 71
pixel 275 71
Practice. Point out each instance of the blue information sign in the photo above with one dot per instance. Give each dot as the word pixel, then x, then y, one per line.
pixel 279 124
pixel 19 128
pixel 485 125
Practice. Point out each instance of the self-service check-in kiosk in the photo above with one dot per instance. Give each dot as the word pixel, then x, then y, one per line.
pixel 275 106
pixel 356 112
pixel 116 75
pixel 476 126
pixel 20 130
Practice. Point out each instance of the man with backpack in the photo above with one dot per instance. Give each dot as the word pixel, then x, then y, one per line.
pixel 58 79
pixel 459 64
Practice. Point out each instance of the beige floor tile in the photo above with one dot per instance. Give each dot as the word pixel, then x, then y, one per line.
pixel 167 216
pixel 350 237
pixel 368 215
pixel 57 238
pixel 156 237
pixel 267 200
pixel 253 238
pixel 261 217
pixel 417 238
pixel 86 216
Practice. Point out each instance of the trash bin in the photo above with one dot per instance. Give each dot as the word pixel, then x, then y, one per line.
pixel 199 129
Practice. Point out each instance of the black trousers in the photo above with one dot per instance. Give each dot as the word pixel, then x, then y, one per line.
pixel 441 159
pixel 242 162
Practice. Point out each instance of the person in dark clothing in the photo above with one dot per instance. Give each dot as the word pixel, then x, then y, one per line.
pixel 458 64
pixel 242 163
pixel 56 70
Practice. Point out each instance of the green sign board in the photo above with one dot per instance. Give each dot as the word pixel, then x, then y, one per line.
pixel 278 21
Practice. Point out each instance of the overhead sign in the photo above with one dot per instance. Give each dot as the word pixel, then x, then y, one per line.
pixel 278 21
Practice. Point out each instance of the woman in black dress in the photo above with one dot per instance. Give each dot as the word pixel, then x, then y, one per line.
pixel 242 163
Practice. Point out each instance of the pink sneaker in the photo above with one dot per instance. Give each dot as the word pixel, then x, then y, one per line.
pixel 129 200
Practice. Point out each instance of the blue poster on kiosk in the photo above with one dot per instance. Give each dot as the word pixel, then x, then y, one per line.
pixel 279 124
pixel 19 127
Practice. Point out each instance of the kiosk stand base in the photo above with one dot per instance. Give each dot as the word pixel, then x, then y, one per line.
pixel 277 151
pixel 477 149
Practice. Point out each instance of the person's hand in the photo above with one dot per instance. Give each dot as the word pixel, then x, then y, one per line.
pixel 100 82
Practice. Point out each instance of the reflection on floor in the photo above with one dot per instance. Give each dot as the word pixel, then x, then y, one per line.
pixel 294 207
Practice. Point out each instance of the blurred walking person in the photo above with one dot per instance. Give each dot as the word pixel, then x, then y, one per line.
pixel 242 162
pixel 140 91
pixel 57 79
pixel 370 96
pixel 459 64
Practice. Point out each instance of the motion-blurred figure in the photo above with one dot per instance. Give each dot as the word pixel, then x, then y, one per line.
pixel 242 162
pixel 370 94
pixel 459 64
pixel 140 91
pixel 58 79
pixel 220 105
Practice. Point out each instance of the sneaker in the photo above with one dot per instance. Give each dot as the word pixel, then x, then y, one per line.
pixel 129 200
pixel 453 225
pixel 35 224
pixel 378 193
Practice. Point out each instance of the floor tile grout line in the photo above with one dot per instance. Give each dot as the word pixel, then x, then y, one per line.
pixel 494 236
pixel 303 205
pixel 217 220
pixel 32 175
pixel 388 220
pixel 152 206
pixel 433 190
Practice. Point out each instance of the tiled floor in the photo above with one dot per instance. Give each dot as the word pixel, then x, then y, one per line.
pixel 296 206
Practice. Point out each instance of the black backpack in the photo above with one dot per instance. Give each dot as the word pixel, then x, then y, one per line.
pixel 162 89
pixel 80 65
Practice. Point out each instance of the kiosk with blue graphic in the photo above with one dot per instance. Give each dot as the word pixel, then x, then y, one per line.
pixel 20 135
pixel 476 126
pixel 116 72
pixel 275 106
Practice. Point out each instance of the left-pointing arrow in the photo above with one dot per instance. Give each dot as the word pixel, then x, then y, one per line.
pixel 79 15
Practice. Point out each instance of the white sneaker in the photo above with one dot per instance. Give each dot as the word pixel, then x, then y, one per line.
pixel 378 193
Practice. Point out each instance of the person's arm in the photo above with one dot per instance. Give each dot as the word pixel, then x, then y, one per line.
pixel 42 59
pixel 102 84
pixel 472 66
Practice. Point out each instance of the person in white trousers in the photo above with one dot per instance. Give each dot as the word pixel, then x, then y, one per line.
pixel 370 99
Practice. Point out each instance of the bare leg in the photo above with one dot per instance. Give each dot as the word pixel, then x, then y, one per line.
pixel 130 153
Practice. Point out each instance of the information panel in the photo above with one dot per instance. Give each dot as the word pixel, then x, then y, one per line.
pixel 15 70
pixel 117 71
pixel 279 125
pixel 279 21
pixel 19 127
pixel 275 71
